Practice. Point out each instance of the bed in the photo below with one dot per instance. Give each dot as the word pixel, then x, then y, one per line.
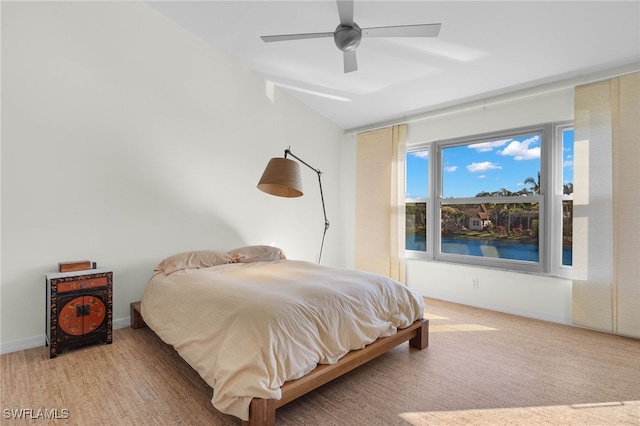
pixel 262 330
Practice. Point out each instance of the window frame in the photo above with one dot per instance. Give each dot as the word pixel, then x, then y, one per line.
pixel 549 201
pixel 557 189
pixel 428 253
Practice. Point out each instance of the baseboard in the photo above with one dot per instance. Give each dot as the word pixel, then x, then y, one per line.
pixel 121 323
pixel 21 344
pixel 503 309
pixel 36 341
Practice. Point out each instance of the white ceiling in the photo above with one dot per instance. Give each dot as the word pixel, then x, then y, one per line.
pixel 484 48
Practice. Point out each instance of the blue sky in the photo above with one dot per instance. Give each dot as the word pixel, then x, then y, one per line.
pixel 487 166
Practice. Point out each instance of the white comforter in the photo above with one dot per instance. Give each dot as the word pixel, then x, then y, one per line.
pixel 249 327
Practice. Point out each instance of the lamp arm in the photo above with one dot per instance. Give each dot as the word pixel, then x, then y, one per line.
pixel 288 152
pixel 324 210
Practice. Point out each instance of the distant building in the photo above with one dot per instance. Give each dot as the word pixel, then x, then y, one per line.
pixel 477 218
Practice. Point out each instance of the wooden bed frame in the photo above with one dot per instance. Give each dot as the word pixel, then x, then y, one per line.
pixel 262 412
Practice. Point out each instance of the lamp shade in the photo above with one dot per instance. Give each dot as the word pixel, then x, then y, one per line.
pixel 281 177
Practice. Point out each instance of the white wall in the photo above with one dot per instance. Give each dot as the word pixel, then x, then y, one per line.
pixel 126 139
pixel 529 295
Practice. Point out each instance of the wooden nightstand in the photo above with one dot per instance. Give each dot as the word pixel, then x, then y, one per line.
pixel 79 308
pixel 136 316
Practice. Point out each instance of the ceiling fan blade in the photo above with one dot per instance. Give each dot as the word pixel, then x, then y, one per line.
pixel 350 62
pixel 345 10
pixel 421 30
pixel 285 37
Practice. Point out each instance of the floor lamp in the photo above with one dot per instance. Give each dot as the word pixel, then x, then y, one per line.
pixel 282 178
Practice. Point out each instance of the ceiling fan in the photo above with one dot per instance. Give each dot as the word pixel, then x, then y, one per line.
pixel 348 34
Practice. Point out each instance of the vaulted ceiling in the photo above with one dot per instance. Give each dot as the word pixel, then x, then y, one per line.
pixel 484 48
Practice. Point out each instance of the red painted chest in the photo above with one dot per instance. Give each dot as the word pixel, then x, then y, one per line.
pixel 79 309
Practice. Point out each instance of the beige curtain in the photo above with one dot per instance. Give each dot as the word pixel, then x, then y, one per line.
pixel 606 234
pixel 380 232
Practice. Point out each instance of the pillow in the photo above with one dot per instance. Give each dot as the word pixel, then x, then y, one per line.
pixel 249 254
pixel 193 260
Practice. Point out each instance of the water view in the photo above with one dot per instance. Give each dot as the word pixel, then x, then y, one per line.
pixel 502 249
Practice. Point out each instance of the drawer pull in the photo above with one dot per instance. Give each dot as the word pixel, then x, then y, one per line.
pixel 83 310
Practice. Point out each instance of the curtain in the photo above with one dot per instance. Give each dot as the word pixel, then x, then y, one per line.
pixel 606 235
pixel 380 223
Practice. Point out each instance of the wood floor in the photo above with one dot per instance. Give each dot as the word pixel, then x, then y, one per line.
pixel 481 368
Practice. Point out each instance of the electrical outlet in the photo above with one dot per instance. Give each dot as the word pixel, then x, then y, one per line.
pixel 475 281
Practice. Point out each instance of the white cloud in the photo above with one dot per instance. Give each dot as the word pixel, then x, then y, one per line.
pixel 450 168
pixel 488 146
pixel 483 167
pixel 521 150
pixel 420 154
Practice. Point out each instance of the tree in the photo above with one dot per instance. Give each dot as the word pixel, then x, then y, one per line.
pixel 535 188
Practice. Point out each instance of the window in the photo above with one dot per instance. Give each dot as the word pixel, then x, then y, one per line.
pixel 416 194
pixel 493 200
pixel 565 193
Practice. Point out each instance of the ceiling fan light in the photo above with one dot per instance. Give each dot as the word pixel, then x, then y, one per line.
pixel 347 38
